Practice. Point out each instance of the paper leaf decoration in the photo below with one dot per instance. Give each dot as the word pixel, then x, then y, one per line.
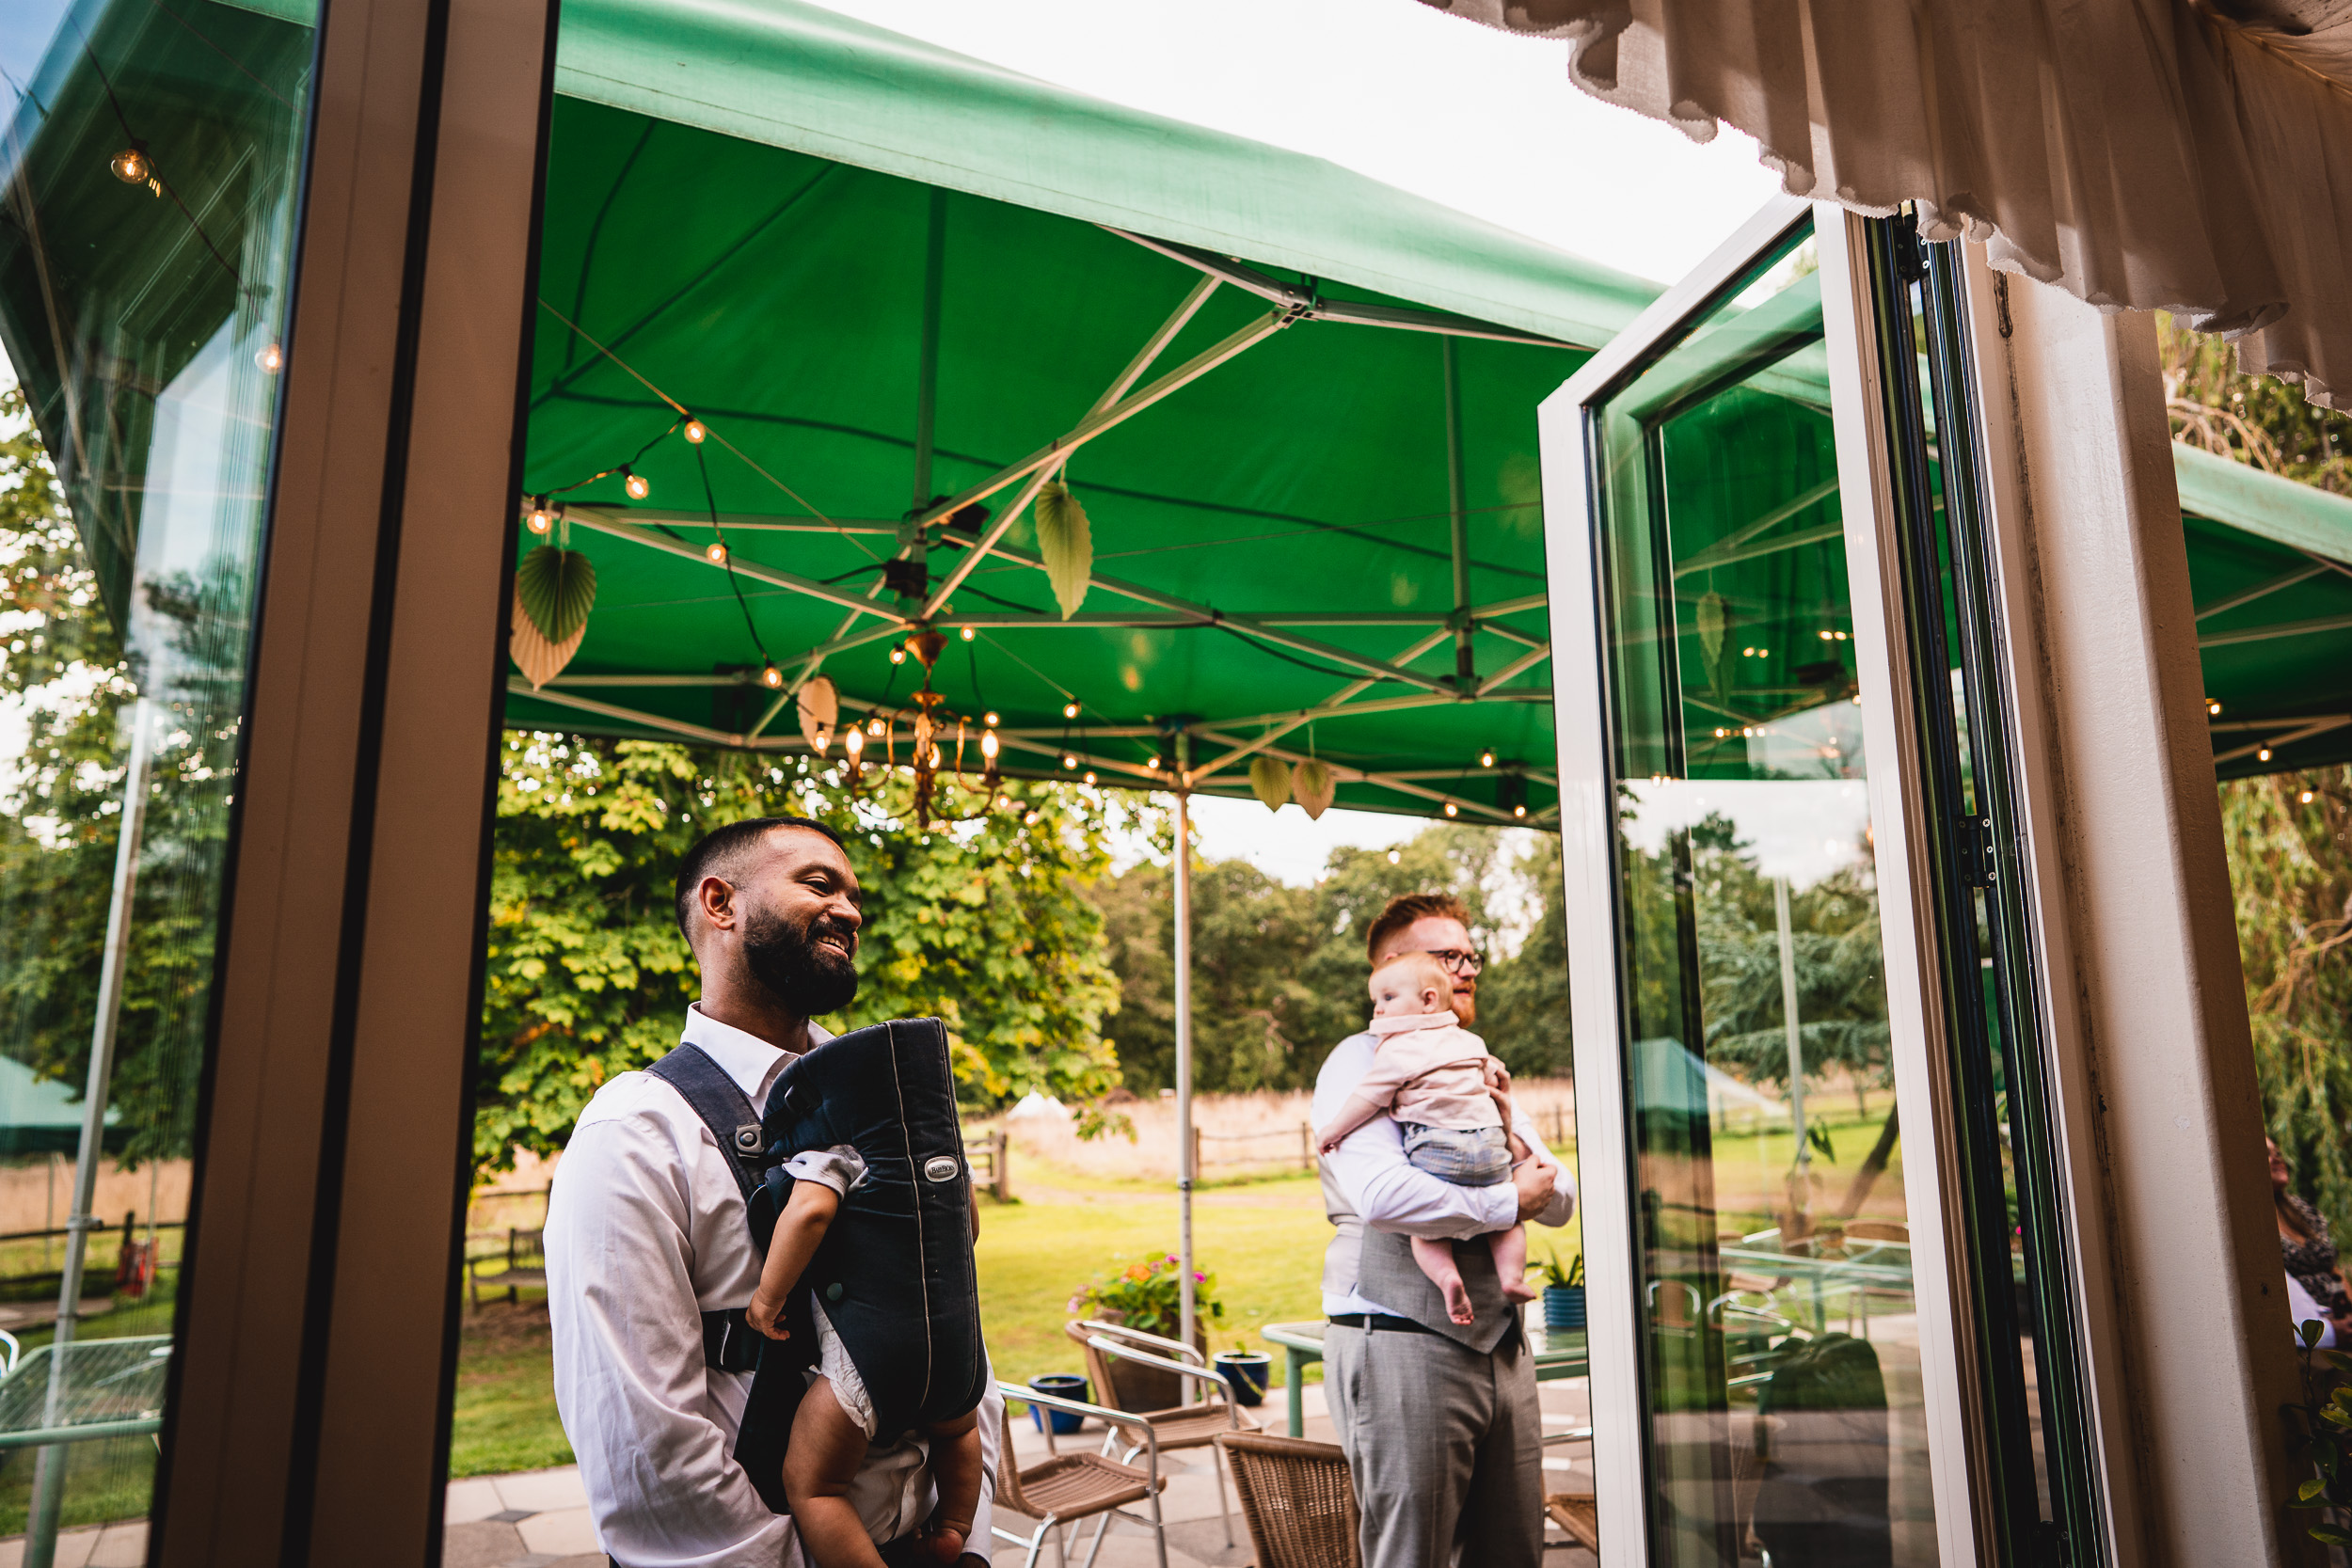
pixel 821 711
pixel 1312 787
pixel 556 589
pixel 1066 540
pixel 539 659
pixel 1270 781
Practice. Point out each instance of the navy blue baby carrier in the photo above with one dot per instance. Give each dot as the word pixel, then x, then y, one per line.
pixel 895 1269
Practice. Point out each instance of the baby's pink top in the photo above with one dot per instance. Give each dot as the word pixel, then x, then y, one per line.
pixel 1428 1070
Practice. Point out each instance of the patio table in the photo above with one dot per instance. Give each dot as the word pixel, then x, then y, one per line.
pixel 112 1389
pixel 1823 1276
pixel 1562 1355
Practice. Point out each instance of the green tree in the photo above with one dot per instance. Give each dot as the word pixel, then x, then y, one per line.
pixel 984 924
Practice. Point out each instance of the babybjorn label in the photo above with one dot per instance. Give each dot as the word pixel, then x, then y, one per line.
pixel 940 1168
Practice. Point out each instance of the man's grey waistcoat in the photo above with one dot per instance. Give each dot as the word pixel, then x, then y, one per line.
pixel 1386 1273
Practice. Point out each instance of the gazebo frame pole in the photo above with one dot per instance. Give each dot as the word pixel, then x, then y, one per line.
pixel 1185 1174
pixel 41 1544
pixel 1458 502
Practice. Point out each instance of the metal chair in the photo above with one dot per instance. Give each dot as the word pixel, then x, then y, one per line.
pixel 1182 1426
pixel 1073 1486
pixel 1296 1498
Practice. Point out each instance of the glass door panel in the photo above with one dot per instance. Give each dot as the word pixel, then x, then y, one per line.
pixel 1781 1396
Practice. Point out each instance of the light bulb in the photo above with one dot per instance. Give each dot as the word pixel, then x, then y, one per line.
pixel 2211 707
pixel 130 165
pixel 934 759
pixel 989 745
pixel 1519 811
pixel 1452 810
pixel 771 677
pixel 1154 762
pixel 636 486
pixel 271 358
pixel 696 431
pixel 1070 710
pixel 1485 759
pixel 1090 775
pixel 1068 761
pixel 2263 756
pixel 1395 857
pixel 969 634
pixel 2305 797
pixel 539 520
pixel 991 720
pixel 1029 819
pixel 717 552
pixel 898 656
pixel 1004 803
pixel 853 742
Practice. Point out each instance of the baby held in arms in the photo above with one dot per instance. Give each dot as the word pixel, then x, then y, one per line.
pixel 1451 1097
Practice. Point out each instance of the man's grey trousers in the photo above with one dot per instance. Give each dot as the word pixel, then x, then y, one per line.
pixel 1444 1443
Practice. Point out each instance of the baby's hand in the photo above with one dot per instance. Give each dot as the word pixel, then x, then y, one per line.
pixel 762 1315
pixel 1498 1076
pixel 1326 1146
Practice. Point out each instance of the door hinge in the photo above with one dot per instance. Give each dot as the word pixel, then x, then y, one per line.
pixel 1979 860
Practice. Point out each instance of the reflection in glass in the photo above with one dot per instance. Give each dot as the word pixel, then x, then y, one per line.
pixel 1781 1367
pixel 149 164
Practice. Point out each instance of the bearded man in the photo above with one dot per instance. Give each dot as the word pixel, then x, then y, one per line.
pixel 649 1253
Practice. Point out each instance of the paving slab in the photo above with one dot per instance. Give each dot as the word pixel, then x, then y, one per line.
pixel 560 1532
pixel 541 1491
pixel 474 1498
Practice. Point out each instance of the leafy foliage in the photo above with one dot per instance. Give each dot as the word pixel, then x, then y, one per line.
pixel 2324 1418
pixel 985 926
pixel 2254 420
pixel 1148 1296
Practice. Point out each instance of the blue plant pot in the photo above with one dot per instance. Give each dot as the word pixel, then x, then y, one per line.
pixel 1246 1372
pixel 1063 1385
pixel 1564 1307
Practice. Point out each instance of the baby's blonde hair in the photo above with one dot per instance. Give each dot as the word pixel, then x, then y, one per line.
pixel 1424 969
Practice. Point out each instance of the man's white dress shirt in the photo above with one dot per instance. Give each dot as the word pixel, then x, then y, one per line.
pixel 646 1233
pixel 1366 1181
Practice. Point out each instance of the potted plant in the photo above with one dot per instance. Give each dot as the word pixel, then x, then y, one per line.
pixel 1146 1296
pixel 1247 1372
pixel 1564 1295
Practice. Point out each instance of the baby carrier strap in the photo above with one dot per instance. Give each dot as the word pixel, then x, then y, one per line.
pixel 729 1343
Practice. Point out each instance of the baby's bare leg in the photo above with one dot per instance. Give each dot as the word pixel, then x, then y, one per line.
pixel 1436 1260
pixel 826 1450
pixel 1510 1249
pixel 955 1466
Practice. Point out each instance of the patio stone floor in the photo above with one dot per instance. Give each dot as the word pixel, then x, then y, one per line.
pixel 539 1519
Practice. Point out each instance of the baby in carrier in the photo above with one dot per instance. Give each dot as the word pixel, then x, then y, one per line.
pixel 871 1254
pixel 1450 1095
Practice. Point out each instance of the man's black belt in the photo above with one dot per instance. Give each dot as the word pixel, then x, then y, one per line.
pixel 1382 1321
pixel 730 1344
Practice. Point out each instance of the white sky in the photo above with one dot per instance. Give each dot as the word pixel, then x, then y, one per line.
pixel 1475 118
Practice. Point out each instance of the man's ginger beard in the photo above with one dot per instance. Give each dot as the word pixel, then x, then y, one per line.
pixel 808 980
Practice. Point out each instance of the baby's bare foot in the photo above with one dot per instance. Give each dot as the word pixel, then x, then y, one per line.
pixel 1457 1300
pixel 1518 1289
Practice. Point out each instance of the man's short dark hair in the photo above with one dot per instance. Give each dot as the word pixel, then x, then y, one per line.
pixel 1403 912
pixel 716 852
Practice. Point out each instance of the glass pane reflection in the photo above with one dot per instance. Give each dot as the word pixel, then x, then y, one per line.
pixel 1781 1367
pixel 150 163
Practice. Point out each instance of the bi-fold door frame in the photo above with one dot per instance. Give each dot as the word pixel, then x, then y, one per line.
pixel 1588 847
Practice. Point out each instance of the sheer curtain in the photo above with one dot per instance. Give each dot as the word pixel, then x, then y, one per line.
pixel 2139 154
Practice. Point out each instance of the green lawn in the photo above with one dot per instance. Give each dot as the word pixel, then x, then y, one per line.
pixel 103 1481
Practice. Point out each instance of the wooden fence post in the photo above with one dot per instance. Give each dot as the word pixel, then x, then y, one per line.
pixel 1305 1146
pixel 1000 1165
pixel 1197 1165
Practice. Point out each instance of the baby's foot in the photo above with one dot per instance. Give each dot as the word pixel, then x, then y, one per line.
pixel 1518 1289
pixel 1457 1300
pixel 945 1542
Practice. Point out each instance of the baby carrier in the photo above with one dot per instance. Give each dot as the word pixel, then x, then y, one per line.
pixel 895 1269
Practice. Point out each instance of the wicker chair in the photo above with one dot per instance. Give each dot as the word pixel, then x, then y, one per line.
pixel 1182 1426
pixel 1073 1486
pixel 1296 1498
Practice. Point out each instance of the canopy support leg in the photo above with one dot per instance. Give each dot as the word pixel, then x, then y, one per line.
pixel 1465 670
pixel 1797 1192
pixel 1184 1171
pixel 41 1543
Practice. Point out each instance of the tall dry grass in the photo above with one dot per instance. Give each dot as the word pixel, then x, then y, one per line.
pixel 1242 1135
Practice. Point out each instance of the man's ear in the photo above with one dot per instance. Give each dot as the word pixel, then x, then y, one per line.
pixel 715 897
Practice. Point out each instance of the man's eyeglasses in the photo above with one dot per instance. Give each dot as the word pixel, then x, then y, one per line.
pixel 1458 962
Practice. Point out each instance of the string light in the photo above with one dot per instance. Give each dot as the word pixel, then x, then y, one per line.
pixel 540 521
pixel 1485 759
pixel 989 745
pixel 771 677
pixel 874 728
pixel 969 634
pixel 696 431
pixel 130 164
pixel 1029 819
pixel 1452 810
pixel 1090 775
pixel 1519 811
pixel 271 358
pixel 898 656
pixel 717 552
pixel 991 720
pixel 1070 710
pixel 2263 756
pixel 635 484
pixel 2211 707
pixel 1154 763
pixel 1068 761
pixel 1395 857
pixel 2306 796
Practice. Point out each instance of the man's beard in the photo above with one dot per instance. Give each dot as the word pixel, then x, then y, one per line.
pixel 807 979
pixel 1465 1007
